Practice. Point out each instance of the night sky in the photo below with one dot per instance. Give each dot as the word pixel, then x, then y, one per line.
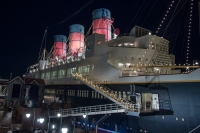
pixel 22 25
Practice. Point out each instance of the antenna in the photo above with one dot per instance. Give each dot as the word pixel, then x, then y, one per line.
pixel 117 31
pixel 199 15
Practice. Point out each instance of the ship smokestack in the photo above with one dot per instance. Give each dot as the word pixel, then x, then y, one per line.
pixel 76 40
pixel 59 47
pixel 102 22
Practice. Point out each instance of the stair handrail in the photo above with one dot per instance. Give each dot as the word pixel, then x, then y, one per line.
pixel 105 89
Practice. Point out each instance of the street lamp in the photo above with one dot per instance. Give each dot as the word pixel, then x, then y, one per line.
pixel 84 116
pixel 28 115
pixel 41 120
pixel 195 63
pixel 59 114
pixel 53 126
pixel 64 130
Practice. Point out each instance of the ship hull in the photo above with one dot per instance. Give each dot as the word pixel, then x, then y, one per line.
pixel 181 115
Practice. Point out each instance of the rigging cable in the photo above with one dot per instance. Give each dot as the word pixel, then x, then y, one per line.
pixel 179 25
pixel 174 15
pixel 166 14
pixel 170 21
pixel 134 17
pixel 45 39
pixel 189 31
pixel 149 12
pixel 183 40
pixel 171 18
pixel 142 11
pixel 42 43
pixel 75 13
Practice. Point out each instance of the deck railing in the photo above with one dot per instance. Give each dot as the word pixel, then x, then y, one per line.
pixel 94 110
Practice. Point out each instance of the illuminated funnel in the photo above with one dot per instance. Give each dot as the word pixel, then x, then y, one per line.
pixel 59 46
pixel 76 39
pixel 102 22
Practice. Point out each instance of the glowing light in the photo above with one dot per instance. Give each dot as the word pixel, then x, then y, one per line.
pixel 64 130
pixel 28 115
pixel 169 8
pixel 189 29
pixel 58 114
pixel 84 116
pixel 41 120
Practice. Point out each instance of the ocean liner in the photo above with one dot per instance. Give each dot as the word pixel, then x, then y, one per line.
pixel 122 83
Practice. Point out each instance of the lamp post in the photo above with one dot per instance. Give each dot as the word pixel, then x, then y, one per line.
pixel 28 115
pixel 33 120
pixel 85 117
pixel 49 120
pixel 60 115
pixel 195 63
pixel 41 120
pixel 73 122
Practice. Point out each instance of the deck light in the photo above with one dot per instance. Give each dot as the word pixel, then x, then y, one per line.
pixel 58 114
pixel 64 130
pixel 28 115
pixel 41 120
pixel 84 116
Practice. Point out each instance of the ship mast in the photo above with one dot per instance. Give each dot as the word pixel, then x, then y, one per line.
pixel 199 15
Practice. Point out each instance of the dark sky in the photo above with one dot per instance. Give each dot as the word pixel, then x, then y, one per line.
pixel 22 25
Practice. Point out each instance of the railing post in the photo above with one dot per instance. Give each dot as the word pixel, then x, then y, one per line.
pixel 96 128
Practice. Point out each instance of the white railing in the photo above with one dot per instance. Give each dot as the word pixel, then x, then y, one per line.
pixel 94 110
pixel 110 94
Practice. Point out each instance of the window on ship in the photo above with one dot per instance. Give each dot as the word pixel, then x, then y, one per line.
pixel 53 74
pixel 61 73
pixel 42 75
pixel 84 70
pixel 47 76
pixel 70 71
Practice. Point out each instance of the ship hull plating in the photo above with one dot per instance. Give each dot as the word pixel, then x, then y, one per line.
pixel 180 115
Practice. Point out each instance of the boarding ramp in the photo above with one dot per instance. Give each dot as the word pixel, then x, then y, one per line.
pixel 110 94
pixel 93 110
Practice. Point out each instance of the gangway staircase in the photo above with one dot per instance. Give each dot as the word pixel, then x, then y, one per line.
pixel 130 107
